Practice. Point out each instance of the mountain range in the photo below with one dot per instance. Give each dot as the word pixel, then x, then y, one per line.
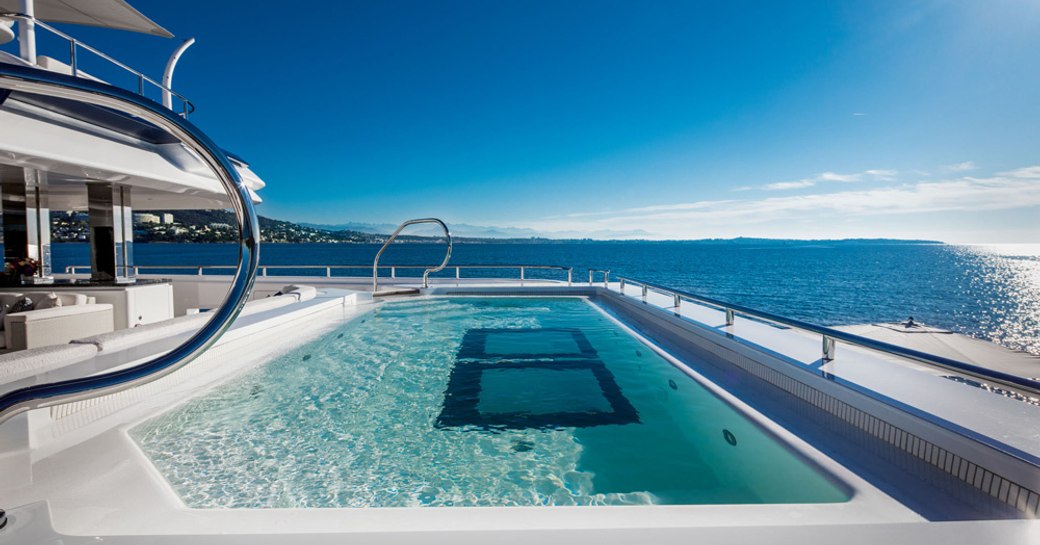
pixel 464 230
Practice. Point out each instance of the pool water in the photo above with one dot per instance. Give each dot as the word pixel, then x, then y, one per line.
pixel 472 402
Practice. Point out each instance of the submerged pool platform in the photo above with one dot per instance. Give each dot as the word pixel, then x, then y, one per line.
pixel 546 377
pixel 480 402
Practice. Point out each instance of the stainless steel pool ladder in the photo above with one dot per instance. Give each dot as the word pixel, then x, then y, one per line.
pixel 21 79
pixel 426 273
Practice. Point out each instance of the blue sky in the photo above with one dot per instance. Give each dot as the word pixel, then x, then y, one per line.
pixel 672 119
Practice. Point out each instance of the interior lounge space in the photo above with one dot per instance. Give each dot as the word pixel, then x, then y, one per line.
pixel 42 307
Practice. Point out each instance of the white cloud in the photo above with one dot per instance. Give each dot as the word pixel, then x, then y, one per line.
pixel 1018 188
pixel 835 177
pixel 789 185
pixel 961 167
pixel 858 114
pixel 867 175
pixel 1026 172
pixel 882 174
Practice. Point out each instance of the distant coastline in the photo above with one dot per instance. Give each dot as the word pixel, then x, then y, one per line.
pixel 217 226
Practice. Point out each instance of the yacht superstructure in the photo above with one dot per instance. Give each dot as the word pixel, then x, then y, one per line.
pixel 922 447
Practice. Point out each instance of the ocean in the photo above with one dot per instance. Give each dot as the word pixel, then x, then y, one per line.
pixel 991 292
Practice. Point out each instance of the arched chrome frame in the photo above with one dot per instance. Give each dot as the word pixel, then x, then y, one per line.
pixel 32 80
pixel 426 273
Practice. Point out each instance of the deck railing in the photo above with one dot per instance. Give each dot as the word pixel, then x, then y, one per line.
pixel 200 270
pixel 830 337
pixel 75 45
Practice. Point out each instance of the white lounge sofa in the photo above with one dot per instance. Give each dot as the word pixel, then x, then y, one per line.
pixel 78 316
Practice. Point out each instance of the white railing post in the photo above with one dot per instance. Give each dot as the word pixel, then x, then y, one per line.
pixel 828 348
pixel 730 317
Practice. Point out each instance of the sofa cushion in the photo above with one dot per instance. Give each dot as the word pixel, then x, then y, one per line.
pixel 22 305
pixel 35 315
pixel 48 300
pixel 58 325
pixel 268 303
pixel 127 338
pixel 302 293
pixel 65 298
pixel 6 301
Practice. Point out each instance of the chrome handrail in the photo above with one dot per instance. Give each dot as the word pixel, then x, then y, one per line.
pixel 32 80
pixel 187 107
pixel 426 273
pixel 831 336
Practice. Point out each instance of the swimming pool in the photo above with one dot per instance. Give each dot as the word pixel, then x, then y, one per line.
pixel 465 401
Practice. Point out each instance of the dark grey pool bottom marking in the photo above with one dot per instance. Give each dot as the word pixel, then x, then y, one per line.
pixel 462 398
pixel 474 344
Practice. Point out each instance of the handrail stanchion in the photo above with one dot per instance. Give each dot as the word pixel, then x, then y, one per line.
pixel 521 276
pixel 621 288
pixel 570 273
pixel 730 317
pixel 644 293
pixel 828 348
pixel 678 301
pixel 606 276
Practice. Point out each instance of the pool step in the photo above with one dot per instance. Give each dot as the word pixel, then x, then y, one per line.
pixel 395 291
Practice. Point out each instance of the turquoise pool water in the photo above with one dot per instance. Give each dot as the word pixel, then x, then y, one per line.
pixel 472 402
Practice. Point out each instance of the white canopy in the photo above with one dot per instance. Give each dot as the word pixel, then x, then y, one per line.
pixel 101 13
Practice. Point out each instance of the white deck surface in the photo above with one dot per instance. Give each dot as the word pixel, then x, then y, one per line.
pixel 951 345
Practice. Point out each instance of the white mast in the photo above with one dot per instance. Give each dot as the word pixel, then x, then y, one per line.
pixel 27 32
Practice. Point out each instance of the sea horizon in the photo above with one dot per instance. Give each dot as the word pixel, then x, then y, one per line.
pixel 989 291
